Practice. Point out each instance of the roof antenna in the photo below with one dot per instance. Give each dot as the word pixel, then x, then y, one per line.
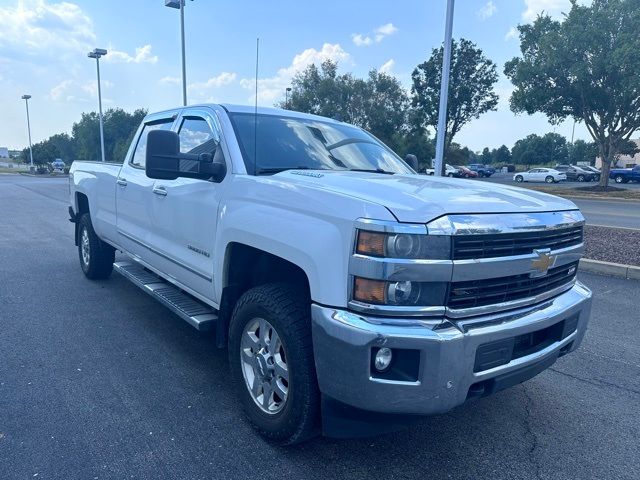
pixel 255 114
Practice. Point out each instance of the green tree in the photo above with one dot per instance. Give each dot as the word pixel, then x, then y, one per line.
pixel 536 150
pixel 119 128
pixel 584 67
pixel 65 145
pixel 377 104
pixel 502 156
pixel 581 151
pixel 43 153
pixel 486 157
pixel 471 89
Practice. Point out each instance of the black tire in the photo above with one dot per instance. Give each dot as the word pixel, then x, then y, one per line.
pixel 581 178
pixel 449 175
pixel 287 309
pixel 99 261
pixel 619 179
pixel 480 174
pixel 519 178
pixel 549 179
pixel 431 173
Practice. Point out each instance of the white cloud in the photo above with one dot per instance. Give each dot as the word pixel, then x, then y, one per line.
pixel 272 88
pixel 553 8
pixel 384 31
pixel 487 10
pixel 142 55
pixel 168 80
pixel 387 67
pixel 72 90
pixel 511 34
pixel 360 40
pixel 35 27
pixel 202 91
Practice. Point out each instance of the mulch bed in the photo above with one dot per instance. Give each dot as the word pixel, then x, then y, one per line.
pixel 615 245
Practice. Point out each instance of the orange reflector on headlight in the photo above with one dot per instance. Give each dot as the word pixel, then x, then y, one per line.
pixel 369 291
pixel 371 243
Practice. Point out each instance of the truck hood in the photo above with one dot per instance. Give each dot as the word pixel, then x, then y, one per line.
pixel 421 198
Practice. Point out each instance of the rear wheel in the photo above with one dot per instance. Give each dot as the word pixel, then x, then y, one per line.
pixel 581 178
pixel 519 178
pixel 96 256
pixel 449 174
pixel 619 179
pixel 549 179
pixel 271 359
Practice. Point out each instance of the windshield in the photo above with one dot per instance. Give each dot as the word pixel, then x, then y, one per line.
pixel 294 143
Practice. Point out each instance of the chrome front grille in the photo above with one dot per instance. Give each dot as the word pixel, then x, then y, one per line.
pixel 478 293
pixel 514 243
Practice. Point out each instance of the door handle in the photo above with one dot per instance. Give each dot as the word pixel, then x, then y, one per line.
pixel 160 191
pixel 122 181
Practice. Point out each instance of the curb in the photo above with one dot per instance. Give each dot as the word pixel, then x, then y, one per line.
pixel 628 272
pixel 606 199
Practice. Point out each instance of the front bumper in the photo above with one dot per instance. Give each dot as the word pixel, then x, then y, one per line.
pixel 343 342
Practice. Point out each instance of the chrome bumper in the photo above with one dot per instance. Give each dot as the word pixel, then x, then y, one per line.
pixel 343 342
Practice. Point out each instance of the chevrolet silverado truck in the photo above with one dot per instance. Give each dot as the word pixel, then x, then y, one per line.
pixel 625 175
pixel 350 292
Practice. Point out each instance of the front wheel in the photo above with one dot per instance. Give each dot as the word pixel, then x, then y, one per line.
pixel 519 179
pixel 96 256
pixel 271 360
pixel 549 179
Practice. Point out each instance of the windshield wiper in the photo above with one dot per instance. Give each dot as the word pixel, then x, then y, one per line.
pixel 371 170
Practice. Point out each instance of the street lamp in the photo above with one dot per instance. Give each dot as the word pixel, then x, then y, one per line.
pixel 97 53
pixel 26 102
pixel 444 89
pixel 179 4
pixel 286 102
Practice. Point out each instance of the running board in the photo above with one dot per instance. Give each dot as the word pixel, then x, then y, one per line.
pixel 195 313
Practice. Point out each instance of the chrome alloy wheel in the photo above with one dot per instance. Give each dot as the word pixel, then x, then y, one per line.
pixel 84 243
pixel 264 365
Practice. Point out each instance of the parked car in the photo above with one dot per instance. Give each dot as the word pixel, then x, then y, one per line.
pixel 548 175
pixel 466 172
pixel 57 164
pixel 482 170
pixel 594 170
pixel 336 286
pixel 575 173
pixel 449 171
pixel 625 175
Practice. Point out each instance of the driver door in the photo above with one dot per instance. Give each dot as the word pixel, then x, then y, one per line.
pixel 184 211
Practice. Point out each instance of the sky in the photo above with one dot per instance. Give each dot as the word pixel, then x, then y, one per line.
pixel 44 45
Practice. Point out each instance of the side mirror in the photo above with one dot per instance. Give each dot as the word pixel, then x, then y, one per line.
pixel 412 161
pixel 165 162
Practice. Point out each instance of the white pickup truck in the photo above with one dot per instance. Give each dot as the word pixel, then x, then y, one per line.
pixel 350 291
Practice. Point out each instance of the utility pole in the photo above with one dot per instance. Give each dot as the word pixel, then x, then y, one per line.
pixel 444 89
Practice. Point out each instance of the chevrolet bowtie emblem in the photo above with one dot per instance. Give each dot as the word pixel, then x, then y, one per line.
pixel 543 262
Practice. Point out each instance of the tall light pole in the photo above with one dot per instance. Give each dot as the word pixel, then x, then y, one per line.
pixel 179 4
pixel 97 53
pixel 26 102
pixel 444 89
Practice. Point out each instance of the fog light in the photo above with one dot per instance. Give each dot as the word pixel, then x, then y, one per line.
pixel 383 359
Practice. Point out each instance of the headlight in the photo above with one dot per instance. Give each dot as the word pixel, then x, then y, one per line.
pixel 398 293
pixel 403 245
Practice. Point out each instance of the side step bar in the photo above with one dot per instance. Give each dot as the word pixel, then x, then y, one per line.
pixel 197 314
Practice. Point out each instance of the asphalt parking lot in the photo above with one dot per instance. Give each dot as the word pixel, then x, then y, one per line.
pixel 97 381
